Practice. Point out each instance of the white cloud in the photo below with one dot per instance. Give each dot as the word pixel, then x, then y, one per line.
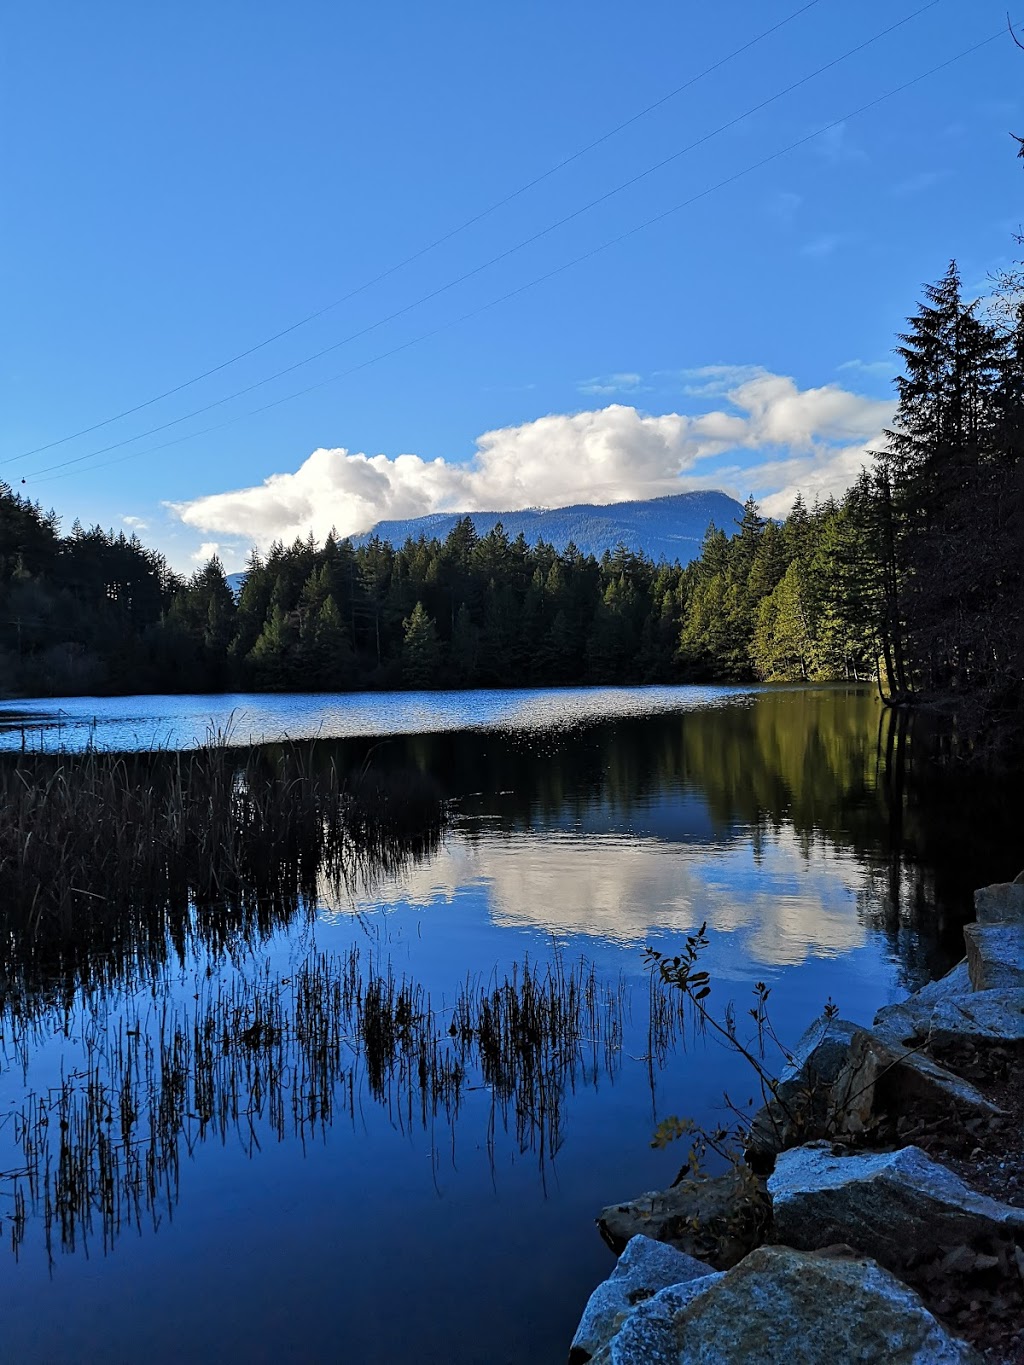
pixel 603 386
pixel 871 369
pixel 784 206
pixel 812 439
pixel 716 381
pixel 817 473
pixel 230 556
pixel 135 523
pixel 835 146
pixel 825 245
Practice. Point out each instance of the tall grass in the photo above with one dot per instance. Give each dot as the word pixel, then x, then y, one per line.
pixel 135 851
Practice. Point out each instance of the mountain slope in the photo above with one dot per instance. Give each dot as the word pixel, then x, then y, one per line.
pixel 665 528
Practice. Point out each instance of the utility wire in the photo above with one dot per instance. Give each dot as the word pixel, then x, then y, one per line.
pixel 502 255
pixel 438 241
pixel 558 270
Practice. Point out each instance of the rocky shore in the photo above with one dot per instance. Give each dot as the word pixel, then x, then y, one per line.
pixel 877 1212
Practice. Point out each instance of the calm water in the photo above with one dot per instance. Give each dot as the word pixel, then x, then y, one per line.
pixel 825 858
pixel 181 722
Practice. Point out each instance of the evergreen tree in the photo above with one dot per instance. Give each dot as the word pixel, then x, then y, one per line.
pixel 328 652
pixel 936 453
pixel 272 657
pixel 421 651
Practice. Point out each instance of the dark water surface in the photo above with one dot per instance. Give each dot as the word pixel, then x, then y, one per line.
pixel 317 1204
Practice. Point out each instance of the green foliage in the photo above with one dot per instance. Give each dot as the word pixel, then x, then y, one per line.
pixel 915 578
pixel 421 652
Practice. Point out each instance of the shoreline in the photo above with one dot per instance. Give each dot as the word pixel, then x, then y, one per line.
pixel 886 1169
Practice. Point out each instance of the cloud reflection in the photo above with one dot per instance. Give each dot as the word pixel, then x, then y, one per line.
pixel 786 902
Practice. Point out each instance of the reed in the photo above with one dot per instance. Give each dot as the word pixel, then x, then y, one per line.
pixel 140 851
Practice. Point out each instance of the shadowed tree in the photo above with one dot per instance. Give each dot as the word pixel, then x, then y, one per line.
pixel 421 650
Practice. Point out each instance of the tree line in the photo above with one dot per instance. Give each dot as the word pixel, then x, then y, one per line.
pixel 913 578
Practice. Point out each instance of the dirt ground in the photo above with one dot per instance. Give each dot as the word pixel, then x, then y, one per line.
pixel 978 1292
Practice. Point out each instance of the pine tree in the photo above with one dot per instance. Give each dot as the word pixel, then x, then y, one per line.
pixel 273 656
pixel 328 654
pixel 465 649
pixel 936 453
pixel 421 650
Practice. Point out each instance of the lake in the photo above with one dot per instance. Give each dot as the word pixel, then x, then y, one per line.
pixel 424 1200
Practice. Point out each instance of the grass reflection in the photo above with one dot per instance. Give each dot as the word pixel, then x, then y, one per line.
pixel 263 1057
pixel 107 858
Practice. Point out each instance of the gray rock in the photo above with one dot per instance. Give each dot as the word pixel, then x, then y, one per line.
pixel 1002 903
pixel 648 1335
pixel 995 956
pixel 800 1109
pixel 903 1019
pixel 883 1078
pixel 888 1205
pixel 717 1220
pixel 643 1268
pixel 948 1012
pixel 785 1305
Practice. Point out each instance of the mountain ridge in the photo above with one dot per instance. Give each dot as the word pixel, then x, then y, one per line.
pixel 666 528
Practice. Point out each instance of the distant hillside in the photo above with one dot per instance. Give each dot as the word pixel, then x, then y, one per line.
pixel 666 528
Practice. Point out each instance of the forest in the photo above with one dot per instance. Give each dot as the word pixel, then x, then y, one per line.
pixel 913 578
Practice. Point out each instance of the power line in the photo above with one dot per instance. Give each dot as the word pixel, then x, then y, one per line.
pixel 431 246
pixel 502 255
pixel 558 270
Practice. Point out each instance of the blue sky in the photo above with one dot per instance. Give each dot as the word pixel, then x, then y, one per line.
pixel 183 181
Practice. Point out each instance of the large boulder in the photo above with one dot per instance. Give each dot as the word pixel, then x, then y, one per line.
pixel 785 1305
pixel 800 1108
pixel 995 955
pixel 949 1012
pixel 888 1205
pixel 716 1220
pixel 643 1268
pixel 1002 903
pixel 885 1079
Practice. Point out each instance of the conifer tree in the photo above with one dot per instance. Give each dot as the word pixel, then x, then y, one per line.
pixel 420 648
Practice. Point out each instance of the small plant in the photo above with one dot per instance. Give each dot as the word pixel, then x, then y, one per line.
pixel 808 1104
pixel 682 972
pixel 789 1111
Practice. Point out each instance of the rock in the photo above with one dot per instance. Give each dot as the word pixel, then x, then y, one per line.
pixel 1002 903
pixel 643 1268
pixel 647 1335
pixel 889 1205
pixel 716 1220
pixel 800 1109
pixel 949 1012
pixel 785 1305
pixel 995 955
pixel 903 1019
pixel 885 1079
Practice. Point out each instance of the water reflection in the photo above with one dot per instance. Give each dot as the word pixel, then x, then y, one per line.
pixel 782 905
pixel 805 817
pixel 257 1056
pixel 808 827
